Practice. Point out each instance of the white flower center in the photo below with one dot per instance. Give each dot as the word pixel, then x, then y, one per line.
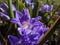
pixel 25 25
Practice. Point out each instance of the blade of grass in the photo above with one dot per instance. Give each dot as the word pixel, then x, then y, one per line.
pixel 17 4
pixel 37 5
pixel 10 8
pixel 21 5
pixel 5 40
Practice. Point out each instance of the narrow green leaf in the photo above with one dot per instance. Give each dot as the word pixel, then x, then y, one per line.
pixel 30 8
pixel 48 2
pixel 23 1
pixel 17 4
pixel 21 5
pixel 50 21
pixel 10 8
pixel 37 5
pixel 57 7
pixel 35 11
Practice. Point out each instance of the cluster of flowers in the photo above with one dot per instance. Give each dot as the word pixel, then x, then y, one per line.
pixel 45 7
pixel 31 30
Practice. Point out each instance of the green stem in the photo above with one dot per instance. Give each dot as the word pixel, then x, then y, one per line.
pixel 9 28
pixel 48 2
pixel 35 11
pixel 30 11
pixel 17 7
pixel 10 8
pixel 17 4
pixel 36 8
pixel 5 41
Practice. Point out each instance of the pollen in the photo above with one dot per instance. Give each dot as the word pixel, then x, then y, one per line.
pixel 25 25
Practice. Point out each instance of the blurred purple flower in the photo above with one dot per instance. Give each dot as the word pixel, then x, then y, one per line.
pixel 24 18
pixel 46 8
pixel 30 3
pixel 1 43
pixel 48 17
pixel 4 11
pixel 4 16
pixel 13 39
pixel 30 29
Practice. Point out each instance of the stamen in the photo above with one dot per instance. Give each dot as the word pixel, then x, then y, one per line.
pixel 25 25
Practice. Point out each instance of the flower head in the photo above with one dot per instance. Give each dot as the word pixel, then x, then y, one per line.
pixel 30 29
pixel 13 40
pixel 30 3
pixel 4 11
pixel 46 8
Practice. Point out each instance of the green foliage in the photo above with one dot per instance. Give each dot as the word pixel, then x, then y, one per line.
pixel 34 13
pixel 10 8
pixel 21 5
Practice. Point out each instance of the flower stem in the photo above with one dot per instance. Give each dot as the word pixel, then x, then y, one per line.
pixel 9 29
pixel 5 41
pixel 10 8
pixel 17 4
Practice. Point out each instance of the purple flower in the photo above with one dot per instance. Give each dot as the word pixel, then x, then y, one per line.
pixel 21 18
pixel 4 8
pixel 4 16
pixel 1 43
pixel 4 11
pixel 13 40
pixel 30 3
pixel 48 17
pixel 30 29
pixel 46 8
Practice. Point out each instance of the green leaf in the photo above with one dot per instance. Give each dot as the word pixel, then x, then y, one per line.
pixel 17 4
pixel 36 8
pixel 48 2
pixel 10 8
pixel 21 5
pixel 50 21
pixel 56 8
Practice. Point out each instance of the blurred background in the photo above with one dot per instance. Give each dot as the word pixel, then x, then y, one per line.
pixel 55 37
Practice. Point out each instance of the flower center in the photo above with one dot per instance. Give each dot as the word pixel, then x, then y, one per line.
pixel 25 25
